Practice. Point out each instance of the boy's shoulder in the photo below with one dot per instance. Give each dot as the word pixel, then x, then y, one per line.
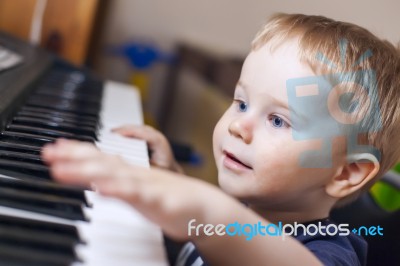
pixel 335 249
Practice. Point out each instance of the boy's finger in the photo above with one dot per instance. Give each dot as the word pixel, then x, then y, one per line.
pixel 129 130
pixel 146 133
pixel 79 173
pixel 127 189
pixel 68 150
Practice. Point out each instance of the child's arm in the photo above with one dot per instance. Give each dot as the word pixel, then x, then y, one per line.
pixel 171 200
pixel 161 152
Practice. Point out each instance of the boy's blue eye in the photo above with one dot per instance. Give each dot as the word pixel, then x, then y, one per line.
pixel 242 106
pixel 278 122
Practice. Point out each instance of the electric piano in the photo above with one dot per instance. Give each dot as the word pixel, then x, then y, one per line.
pixel 43 222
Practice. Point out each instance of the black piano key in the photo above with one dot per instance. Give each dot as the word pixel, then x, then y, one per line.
pixel 69 95
pixel 12 254
pixel 18 147
pixel 89 90
pixel 10 230
pixel 38 241
pixel 71 87
pixel 59 113
pixel 30 169
pixel 40 203
pixel 60 126
pixel 49 188
pixel 54 122
pixel 25 138
pixel 68 103
pixel 72 108
pixel 32 238
pixel 42 227
pixel 58 119
pixel 48 132
pixel 21 156
pixel 64 78
pixel 36 139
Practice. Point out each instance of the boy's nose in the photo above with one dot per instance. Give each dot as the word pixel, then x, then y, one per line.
pixel 242 128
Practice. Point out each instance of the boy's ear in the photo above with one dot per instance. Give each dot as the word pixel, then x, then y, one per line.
pixel 358 171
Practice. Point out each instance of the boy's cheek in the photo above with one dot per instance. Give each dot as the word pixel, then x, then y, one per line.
pixel 220 131
pixel 289 153
pixel 216 142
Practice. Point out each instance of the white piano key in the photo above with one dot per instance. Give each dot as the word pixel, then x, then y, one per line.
pixel 115 221
pixel 121 105
pixel 137 150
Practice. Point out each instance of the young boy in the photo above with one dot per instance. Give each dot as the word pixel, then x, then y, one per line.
pixel 314 121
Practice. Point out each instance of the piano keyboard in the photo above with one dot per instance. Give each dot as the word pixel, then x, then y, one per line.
pixel 46 223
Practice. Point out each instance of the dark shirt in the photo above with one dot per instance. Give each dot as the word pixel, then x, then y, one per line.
pixel 336 250
pixel 350 250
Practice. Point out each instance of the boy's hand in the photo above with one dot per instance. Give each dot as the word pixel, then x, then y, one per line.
pixel 161 152
pixel 168 199
pixel 172 201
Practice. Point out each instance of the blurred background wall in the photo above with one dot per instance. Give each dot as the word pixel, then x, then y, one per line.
pixel 229 25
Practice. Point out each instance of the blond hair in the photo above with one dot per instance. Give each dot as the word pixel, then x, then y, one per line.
pixel 318 34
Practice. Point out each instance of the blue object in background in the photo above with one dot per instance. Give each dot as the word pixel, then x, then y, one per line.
pixel 142 55
pixel 186 154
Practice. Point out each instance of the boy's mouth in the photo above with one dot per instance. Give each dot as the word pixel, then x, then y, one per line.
pixel 236 160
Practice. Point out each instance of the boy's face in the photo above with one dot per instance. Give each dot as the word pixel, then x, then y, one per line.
pixel 255 152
